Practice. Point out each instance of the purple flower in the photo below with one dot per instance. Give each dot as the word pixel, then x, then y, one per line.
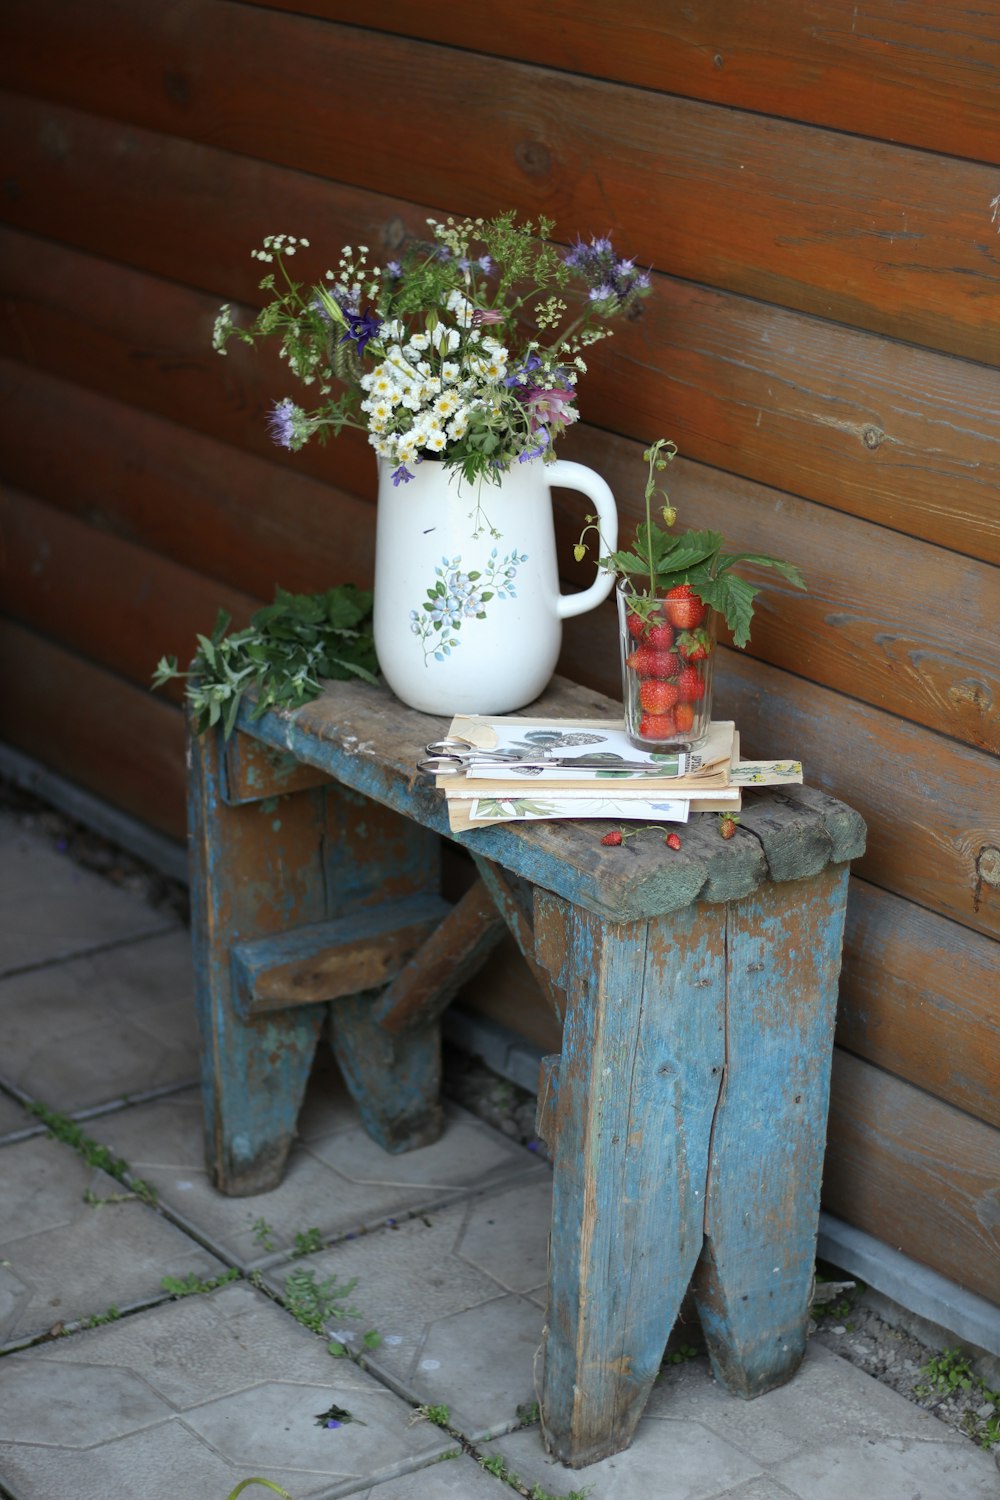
pixel 394 268
pixel 332 1423
pixel 603 293
pixel 543 442
pixel 362 327
pixel 400 476
pixel 288 424
pixel 532 362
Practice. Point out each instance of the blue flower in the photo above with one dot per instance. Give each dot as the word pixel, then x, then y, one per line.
pixel 361 328
pixel 401 475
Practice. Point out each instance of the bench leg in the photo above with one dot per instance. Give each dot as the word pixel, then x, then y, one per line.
pixel 754 1280
pixel 639 1078
pixel 258 869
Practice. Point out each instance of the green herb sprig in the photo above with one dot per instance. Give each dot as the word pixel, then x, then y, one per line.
pixel 280 656
pixel 658 562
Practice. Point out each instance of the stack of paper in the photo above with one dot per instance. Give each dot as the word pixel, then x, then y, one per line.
pixel 628 784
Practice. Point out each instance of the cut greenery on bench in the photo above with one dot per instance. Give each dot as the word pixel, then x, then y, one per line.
pixel 280 656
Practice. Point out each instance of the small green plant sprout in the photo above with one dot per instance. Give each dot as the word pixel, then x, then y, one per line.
pixel 94 1154
pixel 307 1242
pixel 439 1415
pixel 313 1302
pixel 99 1319
pixel 947 1373
pixel 494 1465
pixel 94 1200
pixel 680 1355
pixel 658 562
pixel 192 1285
pixel 263 1234
pixel 528 1413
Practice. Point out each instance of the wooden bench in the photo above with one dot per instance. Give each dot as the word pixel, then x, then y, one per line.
pixel 686 1115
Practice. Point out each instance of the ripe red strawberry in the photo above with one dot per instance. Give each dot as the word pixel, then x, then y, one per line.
pixel 690 685
pixel 693 645
pixel 636 625
pixel 727 825
pixel 660 635
pixel 612 839
pixel 657 697
pixel 684 718
pixel 656 726
pixel 673 841
pixel 648 662
pixel 682 607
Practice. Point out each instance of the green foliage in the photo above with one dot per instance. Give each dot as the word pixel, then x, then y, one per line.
pixel 312 1302
pixel 280 657
pixel 307 1242
pixel 658 561
pixel 192 1285
pixel 439 1415
pixel 950 1373
pixel 66 1130
pixel 263 1234
pixel 680 1355
pixel 99 1319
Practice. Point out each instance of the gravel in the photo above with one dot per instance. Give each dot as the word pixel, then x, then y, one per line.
pixel 960 1386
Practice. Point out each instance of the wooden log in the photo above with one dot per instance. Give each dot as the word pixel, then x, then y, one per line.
pixel 832 414
pixel 88 725
pixel 918 998
pixel 328 960
pixel 450 956
pixel 245 521
pixel 896 76
pixel 118 604
pixel 645 155
pixel 915 1173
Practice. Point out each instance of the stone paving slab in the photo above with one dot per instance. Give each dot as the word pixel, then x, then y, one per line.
pixel 52 909
pixel 458 1478
pixel 445 1293
pixel 89 1031
pixel 339 1182
pixel 62 1259
pixel 14 1119
pixel 832 1432
pixel 191 1397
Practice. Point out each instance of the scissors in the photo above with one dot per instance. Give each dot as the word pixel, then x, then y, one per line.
pixel 453 757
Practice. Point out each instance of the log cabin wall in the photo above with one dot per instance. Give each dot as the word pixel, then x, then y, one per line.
pixel 815 183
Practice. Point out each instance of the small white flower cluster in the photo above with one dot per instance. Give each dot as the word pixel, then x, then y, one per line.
pixel 422 393
pixel 284 244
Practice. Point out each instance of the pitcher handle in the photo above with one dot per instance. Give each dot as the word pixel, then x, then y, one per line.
pixel 572 476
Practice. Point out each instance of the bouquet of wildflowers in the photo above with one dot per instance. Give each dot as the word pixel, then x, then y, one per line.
pixel 466 349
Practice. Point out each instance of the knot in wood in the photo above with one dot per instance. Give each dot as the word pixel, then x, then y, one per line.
pixel 534 158
pixel 988 865
pixel 872 436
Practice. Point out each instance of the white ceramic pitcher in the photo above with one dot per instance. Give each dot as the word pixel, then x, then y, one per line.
pixel 468 613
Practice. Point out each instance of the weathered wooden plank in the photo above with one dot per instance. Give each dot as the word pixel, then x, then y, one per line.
pixel 914 635
pixel 754 1281
pixel 254 773
pixel 247 522
pixel 902 436
pixel 880 70
pixel 121 605
pixel 546 1109
pixel 918 998
pixel 638 1086
pixel 505 897
pixel 328 960
pixel 90 726
pixel 817 220
pixel 914 1172
pixel 451 955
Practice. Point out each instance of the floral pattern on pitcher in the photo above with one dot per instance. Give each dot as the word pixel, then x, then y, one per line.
pixel 459 596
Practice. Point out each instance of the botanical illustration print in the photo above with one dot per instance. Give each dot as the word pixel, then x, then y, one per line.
pixel 766 772
pixel 458 596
